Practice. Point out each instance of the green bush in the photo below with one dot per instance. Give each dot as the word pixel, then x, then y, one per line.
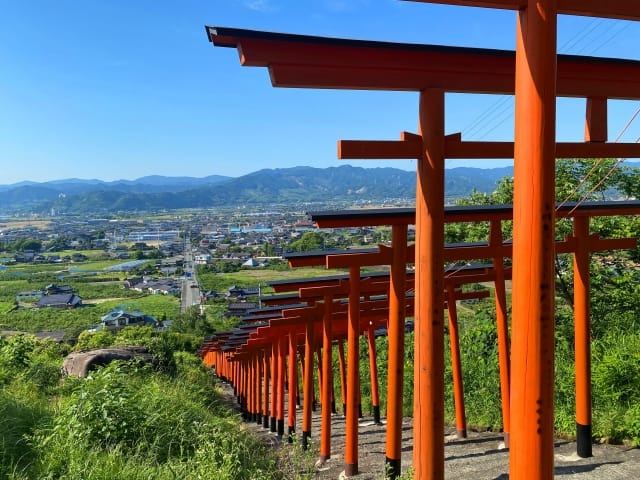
pixel 123 422
pixel 90 340
pixel 104 410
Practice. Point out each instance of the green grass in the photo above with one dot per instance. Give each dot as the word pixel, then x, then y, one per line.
pixel 220 282
pixel 121 422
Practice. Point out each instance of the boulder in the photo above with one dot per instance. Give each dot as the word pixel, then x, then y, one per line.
pixel 81 363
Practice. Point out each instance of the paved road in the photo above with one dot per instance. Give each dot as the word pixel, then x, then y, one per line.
pixel 190 290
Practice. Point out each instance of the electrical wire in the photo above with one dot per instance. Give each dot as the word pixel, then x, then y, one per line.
pixel 495 112
pixel 595 187
pixel 595 166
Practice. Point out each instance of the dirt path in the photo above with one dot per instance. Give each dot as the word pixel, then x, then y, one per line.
pixel 478 457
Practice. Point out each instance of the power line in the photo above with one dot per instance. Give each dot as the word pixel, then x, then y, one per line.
pixel 597 164
pixel 497 109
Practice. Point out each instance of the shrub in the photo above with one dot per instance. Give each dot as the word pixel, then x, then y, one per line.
pixel 90 340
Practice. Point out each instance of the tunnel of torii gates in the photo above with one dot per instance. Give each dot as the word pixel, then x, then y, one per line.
pixel 316 314
pixel 537 76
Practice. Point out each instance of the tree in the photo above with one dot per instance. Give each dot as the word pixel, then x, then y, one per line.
pixel 309 241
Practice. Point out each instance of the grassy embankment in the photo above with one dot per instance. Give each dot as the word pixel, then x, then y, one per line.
pixel 122 422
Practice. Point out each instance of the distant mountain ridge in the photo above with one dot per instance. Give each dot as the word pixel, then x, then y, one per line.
pixel 267 186
pixel 72 186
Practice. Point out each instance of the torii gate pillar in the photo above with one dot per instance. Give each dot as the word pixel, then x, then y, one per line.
pixel 428 392
pixel 532 355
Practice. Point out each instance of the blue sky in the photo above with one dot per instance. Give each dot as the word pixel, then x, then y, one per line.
pixel 113 89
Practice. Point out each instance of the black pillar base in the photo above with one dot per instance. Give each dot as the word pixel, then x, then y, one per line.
pixel 290 434
pixel 360 410
pixel 333 407
pixel 273 424
pixel 305 440
pixel 265 421
pixel 376 414
pixel 393 468
pixel 280 427
pixel 259 418
pixel 583 438
pixel 350 469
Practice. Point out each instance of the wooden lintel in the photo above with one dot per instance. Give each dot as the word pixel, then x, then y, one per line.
pixel 619 9
pixel 382 257
pixel 600 244
pixel 342 288
pixel 476 252
pixel 597 150
pixel 303 313
pixel 379 149
pixel 315 261
pixel 455 148
pixel 596 244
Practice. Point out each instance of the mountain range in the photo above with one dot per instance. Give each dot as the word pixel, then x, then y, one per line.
pixel 268 186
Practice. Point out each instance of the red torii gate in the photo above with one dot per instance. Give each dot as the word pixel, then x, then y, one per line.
pixel 390 256
pixel 376 281
pixel 580 241
pixel 295 321
pixel 581 244
pixel 539 77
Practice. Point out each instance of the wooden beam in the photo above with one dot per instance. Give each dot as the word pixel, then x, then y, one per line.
pixel 320 62
pixel 618 9
pixel 456 148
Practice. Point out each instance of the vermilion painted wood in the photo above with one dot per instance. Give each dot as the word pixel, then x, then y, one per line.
pixel 353 375
pixel 327 357
pixel 595 128
pixel 319 363
pixel 343 376
pixel 307 385
pixel 274 387
pixel 317 62
pixel 456 148
pixel 502 330
pixel 456 364
pixel 465 277
pixel 257 380
pixel 428 404
pixel 407 216
pixel 395 376
pixel 373 372
pixel 293 384
pixel 575 77
pixel 532 332
pixel 620 9
pixel 265 383
pixel 582 333
pixel 282 352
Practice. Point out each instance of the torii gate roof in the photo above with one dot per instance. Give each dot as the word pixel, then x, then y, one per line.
pixel 620 9
pixel 471 213
pixel 322 62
